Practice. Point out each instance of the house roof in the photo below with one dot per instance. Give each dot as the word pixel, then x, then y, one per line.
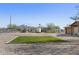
pixel 67 26
pixel 75 23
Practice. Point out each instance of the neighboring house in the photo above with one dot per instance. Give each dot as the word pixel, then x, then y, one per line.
pixel 6 30
pixel 31 29
pixel 34 29
pixel 72 29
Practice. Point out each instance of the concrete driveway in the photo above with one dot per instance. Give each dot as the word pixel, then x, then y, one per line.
pixel 59 48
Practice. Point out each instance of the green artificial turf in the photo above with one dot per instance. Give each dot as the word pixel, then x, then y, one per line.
pixel 36 39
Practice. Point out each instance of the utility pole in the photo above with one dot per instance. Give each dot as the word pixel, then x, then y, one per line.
pixel 10 22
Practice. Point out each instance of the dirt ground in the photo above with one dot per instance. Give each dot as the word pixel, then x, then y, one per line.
pixel 60 48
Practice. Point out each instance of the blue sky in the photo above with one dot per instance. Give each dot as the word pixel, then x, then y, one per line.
pixel 34 14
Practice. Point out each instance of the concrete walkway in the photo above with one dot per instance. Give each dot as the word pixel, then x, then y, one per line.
pixel 59 48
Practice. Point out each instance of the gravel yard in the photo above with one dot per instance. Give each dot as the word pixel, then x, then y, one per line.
pixel 52 48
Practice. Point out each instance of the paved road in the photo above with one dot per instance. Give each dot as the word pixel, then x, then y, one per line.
pixel 59 48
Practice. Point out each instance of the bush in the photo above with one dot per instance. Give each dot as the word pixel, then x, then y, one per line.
pixel 23 31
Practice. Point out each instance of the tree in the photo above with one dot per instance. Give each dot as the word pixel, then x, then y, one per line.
pixel 12 26
pixel 22 28
pixel 52 28
pixel 76 17
pixel 57 27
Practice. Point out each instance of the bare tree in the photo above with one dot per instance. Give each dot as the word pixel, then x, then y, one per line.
pixel 76 17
